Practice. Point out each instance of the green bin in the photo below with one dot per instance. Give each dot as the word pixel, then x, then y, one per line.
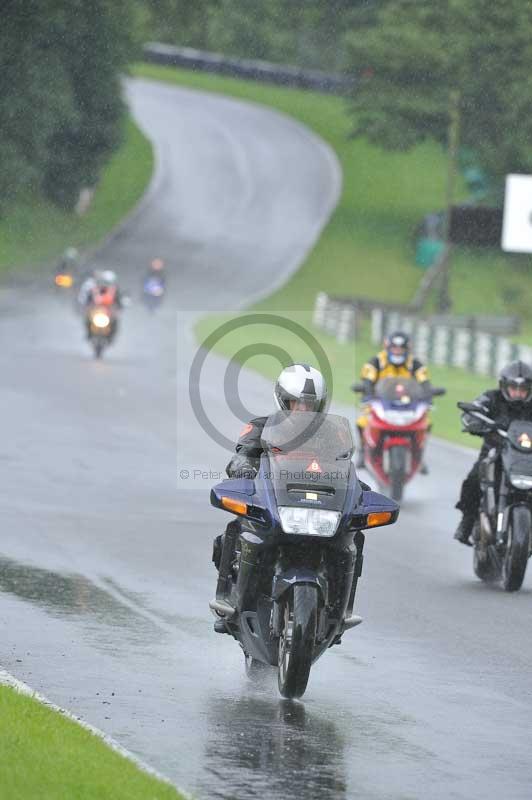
pixel 428 251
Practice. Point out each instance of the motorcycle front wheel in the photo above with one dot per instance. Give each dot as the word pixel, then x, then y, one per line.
pixel 518 549
pixel 98 345
pixel 296 644
pixel 397 472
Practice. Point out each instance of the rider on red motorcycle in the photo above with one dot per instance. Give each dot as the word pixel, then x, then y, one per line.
pixel 394 361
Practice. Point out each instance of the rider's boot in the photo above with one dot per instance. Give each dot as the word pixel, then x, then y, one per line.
pixel 223 554
pixel 220 626
pixel 465 529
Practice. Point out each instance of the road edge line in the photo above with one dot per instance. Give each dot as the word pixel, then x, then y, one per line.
pixel 6 679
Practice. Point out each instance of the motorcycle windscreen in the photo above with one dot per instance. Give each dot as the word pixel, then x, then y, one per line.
pixel 520 435
pixel 400 392
pixel 517 455
pixel 310 458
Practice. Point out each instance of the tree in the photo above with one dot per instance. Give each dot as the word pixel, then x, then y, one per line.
pixel 94 43
pixel 177 21
pixel 60 97
pixel 34 94
pixel 413 58
pixel 456 71
pixel 310 33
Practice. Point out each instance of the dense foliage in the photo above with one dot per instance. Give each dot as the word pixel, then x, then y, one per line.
pixel 60 101
pixel 416 57
pixel 306 32
pixel 60 60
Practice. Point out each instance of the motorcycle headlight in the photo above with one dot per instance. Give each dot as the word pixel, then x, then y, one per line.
pixel 309 521
pixel 521 481
pixel 100 320
pixel 400 418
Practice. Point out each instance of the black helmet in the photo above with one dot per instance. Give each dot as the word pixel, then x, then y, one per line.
pixel 515 382
pixel 303 384
pixel 397 346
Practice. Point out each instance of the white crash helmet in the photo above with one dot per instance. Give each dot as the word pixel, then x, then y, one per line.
pixel 105 276
pixel 303 383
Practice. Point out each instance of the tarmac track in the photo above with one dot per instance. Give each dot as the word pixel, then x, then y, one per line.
pixel 105 572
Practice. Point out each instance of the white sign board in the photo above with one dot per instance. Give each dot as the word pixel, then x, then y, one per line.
pixel 517 218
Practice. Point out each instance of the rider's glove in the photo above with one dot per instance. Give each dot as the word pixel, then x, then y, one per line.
pixel 241 467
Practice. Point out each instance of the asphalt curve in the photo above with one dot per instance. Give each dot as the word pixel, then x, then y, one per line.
pixel 105 572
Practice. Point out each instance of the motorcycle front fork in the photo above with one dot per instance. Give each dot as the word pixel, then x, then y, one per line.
pixel 501 533
pixel 494 509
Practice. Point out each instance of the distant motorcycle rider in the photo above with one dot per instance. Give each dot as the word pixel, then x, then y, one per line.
pixel 156 270
pixel 101 289
pixel 393 361
pixel 299 387
pixel 154 281
pixel 512 400
pixel 68 262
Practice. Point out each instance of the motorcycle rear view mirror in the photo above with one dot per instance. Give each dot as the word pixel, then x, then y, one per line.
pixel 358 387
pixel 438 391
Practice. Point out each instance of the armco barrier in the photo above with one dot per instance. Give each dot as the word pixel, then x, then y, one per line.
pixel 279 74
pixel 438 340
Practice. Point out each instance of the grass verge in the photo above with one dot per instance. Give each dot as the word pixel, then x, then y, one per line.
pixel 367 249
pixel 44 755
pixel 35 231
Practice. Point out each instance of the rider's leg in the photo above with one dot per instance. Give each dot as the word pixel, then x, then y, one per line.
pixel 468 504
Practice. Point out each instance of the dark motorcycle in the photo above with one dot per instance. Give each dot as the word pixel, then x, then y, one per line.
pixel 289 572
pixel 502 535
pixel 101 322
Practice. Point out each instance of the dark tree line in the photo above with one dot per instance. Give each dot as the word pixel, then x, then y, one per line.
pixel 61 110
pixel 310 33
pixel 419 62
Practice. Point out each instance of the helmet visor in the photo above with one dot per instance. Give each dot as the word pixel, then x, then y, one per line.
pixel 304 404
pixel 397 354
pixel 518 391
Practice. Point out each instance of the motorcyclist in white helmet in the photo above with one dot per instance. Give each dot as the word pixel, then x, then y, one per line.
pixel 98 279
pixel 299 387
pixel 101 289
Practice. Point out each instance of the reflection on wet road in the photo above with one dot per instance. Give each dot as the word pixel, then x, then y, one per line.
pixel 75 596
pixel 273 748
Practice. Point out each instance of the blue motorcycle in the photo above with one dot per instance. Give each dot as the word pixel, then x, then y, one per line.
pixel 289 570
pixel 153 291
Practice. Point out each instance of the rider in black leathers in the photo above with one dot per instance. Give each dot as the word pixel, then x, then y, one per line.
pixel 298 388
pixel 512 400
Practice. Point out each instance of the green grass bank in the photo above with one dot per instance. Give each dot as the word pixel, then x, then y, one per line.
pixel 367 248
pixel 35 232
pixel 47 756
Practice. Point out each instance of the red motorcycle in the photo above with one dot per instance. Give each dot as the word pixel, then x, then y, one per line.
pixel 395 436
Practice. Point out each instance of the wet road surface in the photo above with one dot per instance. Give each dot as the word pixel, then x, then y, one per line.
pixel 105 572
